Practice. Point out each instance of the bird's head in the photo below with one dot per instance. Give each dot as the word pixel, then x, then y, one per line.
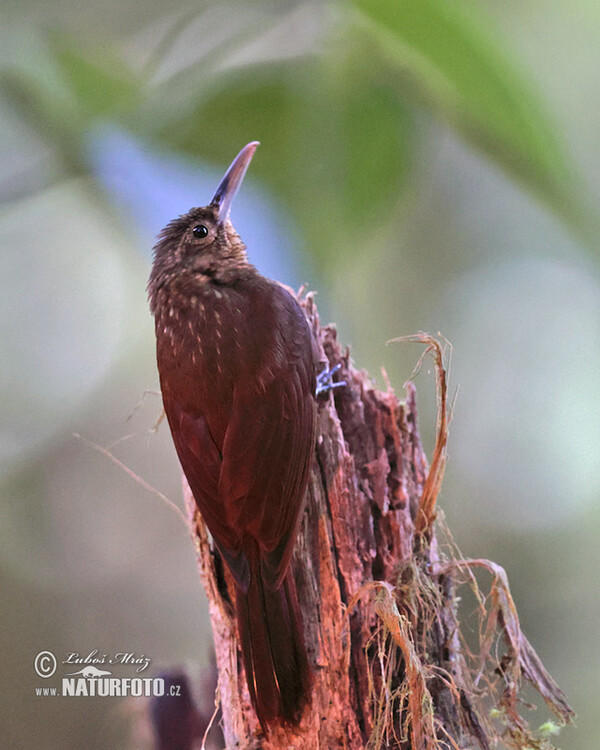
pixel 202 244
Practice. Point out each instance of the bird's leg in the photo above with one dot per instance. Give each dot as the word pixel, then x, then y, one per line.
pixel 325 382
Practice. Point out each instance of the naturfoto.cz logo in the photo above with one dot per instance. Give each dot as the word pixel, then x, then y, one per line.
pixel 91 681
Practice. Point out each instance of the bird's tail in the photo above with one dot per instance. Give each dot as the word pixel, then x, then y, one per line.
pixel 273 650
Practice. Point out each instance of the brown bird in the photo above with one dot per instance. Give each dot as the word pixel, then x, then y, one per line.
pixel 237 367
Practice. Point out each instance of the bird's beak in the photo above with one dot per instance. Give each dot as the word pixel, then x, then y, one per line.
pixel 230 184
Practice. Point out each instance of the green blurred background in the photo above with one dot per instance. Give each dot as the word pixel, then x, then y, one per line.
pixel 425 165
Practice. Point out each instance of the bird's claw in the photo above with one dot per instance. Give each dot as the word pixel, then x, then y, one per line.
pixel 325 383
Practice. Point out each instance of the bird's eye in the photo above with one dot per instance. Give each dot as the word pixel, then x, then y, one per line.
pixel 199 231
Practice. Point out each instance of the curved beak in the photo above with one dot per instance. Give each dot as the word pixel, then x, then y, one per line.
pixel 231 182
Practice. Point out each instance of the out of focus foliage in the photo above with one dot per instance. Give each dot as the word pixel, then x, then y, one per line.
pixel 430 164
pixel 339 94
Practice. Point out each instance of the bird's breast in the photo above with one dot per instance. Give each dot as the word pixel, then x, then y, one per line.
pixel 217 337
pixel 206 334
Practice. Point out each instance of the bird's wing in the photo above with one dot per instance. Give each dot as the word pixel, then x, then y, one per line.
pixel 201 462
pixel 267 450
pixel 266 459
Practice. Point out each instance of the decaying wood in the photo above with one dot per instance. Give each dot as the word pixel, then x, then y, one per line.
pixel 378 593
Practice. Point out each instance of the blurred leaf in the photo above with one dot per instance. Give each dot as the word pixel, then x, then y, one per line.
pixel 225 36
pixel 443 50
pixel 62 91
pixel 335 142
pixel 98 82
pixel 35 88
pixel 67 306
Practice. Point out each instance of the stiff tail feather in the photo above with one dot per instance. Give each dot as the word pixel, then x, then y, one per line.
pixel 273 651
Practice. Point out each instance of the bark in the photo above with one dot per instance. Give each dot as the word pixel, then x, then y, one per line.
pixel 378 597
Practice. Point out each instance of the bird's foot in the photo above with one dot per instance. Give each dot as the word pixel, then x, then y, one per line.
pixel 325 382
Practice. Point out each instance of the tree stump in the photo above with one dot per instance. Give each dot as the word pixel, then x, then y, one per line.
pixel 378 595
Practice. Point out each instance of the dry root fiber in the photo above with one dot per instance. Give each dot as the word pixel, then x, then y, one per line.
pixel 379 594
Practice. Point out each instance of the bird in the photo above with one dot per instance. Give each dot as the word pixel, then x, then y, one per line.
pixel 238 363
